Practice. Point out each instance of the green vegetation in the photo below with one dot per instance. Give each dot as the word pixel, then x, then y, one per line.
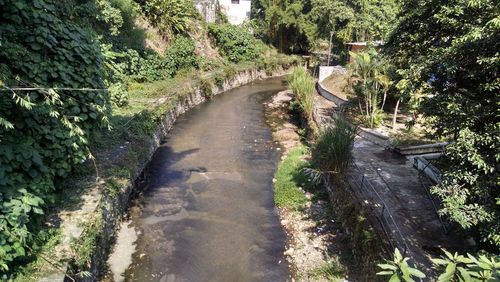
pixel 331 271
pixel 457 61
pixel 180 55
pixel 332 148
pixel 370 83
pixel 235 43
pixel 399 269
pixel 290 179
pixel 298 26
pixel 302 85
pixel 170 16
pixel 43 250
pixel 43 133
pixel 453 267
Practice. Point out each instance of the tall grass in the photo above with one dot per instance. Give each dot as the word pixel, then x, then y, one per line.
pixel 302 85
pixel 332 149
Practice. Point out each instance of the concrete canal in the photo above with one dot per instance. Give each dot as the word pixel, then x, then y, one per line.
pixel 207 212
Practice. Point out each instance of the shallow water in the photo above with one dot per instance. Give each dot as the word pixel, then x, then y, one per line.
pixel 207 213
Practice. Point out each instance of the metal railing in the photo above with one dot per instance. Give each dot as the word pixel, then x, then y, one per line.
pixel 426 183
pixel 380 210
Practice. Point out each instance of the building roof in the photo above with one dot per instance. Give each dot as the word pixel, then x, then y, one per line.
pixel 364 43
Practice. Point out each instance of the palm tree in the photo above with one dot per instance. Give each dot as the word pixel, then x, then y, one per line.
pixel 386 84
pixel 369 82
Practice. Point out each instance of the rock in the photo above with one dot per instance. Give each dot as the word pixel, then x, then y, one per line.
pixel 289 252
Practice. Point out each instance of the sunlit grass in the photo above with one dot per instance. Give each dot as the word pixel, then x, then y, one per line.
pixel 290 178
pixel 330 270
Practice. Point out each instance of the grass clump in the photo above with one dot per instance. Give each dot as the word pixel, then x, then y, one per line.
pixel 332 149
pixel 289 177
pixel 330 270
pixel 302 85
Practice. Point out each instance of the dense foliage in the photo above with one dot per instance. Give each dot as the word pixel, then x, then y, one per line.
pixel 146 66
pixel 235 43
pixel 301 83
pixel 44 132
pixel 170 16
pixel 370 84
pixel 452 267
pixel 332 148
pixel 296 26
pixel 450 50
pixel 181 55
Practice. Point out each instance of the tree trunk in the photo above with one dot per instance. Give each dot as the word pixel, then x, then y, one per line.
pixel 383 101
pixel 360 107
pixel 395 114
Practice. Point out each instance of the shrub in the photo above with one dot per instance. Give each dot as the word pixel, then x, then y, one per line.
pixel 180 55
pixel 235 43
pixel 332 149
pixel 170 16
pixel 119 94
pixel 205 84
pixel 140 67
pixel 451 267
pixel 149 66
pixel 229 72
pixel 369 82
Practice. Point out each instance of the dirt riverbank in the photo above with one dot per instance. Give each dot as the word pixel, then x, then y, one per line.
pixel 316 247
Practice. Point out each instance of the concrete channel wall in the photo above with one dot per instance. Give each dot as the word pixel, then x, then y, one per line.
pixel 112 208
pixel 330 96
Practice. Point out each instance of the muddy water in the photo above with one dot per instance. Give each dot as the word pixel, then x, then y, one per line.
pixel 207 213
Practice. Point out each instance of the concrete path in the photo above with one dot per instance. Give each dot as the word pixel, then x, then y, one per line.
pixel 409 212
pixel 397 196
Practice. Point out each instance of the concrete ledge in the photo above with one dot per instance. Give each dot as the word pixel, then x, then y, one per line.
pixel 375 137
pixel 423 165
pixel 421 149
pixel 329 95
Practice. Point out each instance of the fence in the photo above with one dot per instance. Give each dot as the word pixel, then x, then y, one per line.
pixel 380 211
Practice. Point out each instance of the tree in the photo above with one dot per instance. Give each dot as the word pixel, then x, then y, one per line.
pixel 369 81
pixel 284 24
pixel 450 49
pixel 294 25
pixel 170 16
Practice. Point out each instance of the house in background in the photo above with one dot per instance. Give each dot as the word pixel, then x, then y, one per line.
pixel 357 47
pixel 237 11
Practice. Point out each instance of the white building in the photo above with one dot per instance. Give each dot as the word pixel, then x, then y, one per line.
pixel 237 11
